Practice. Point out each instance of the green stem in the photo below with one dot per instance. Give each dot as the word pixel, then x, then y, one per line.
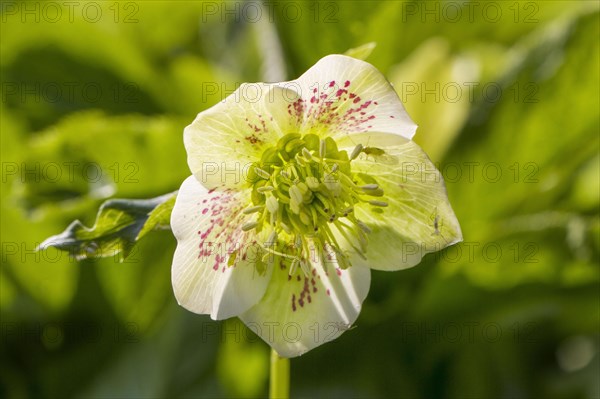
pixel 279 387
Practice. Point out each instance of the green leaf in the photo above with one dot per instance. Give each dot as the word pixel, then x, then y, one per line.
pixel 361 52
pixel 543 145
pixel 77 160
pixel 440 116
pixel 120 223
pixel 250 380
pixel 159 218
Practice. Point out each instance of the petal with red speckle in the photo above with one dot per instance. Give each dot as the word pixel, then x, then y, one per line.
pixel 299 312
pixel 223 141
pixel 342 95
pixel 207 225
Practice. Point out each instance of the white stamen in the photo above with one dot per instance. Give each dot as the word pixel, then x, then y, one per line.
pixel 252 209
pixel 322 149
pixel 285 227
pixel 312 182
pixel 249 226
pixel 357 150
pixel 378 203
pixel 294 266
pixel 265 175
pixel 305 268
pixel 306 153
pixel 265 189
pixel 272 204
pixel 363 227
pixel 296 194
pixel 370 187
pixel 272 238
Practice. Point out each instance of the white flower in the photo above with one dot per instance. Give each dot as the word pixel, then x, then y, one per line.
pixel 298 190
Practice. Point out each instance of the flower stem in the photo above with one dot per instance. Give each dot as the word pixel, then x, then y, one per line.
pixel 279 387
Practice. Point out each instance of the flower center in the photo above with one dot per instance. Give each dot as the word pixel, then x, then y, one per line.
pixel 302 186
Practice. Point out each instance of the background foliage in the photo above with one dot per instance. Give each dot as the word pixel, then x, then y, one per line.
pixel 95 107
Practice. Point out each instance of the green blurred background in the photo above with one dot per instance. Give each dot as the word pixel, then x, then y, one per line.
pixel 94 100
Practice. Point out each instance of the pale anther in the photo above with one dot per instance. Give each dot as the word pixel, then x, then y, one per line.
pixel 370 187
pixel 378 203
pixel 265 175
pixel 357 150
pixel 265 189
pixel 253 209
pixel 249 226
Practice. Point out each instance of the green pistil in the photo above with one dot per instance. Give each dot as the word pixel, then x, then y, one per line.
pixel 299 187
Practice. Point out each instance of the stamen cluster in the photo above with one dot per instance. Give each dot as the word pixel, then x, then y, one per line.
pixel 303 185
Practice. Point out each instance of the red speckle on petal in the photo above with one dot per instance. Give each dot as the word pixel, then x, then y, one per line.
pixel 347 83
pixel 252 139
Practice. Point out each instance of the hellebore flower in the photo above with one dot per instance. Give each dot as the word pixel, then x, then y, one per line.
pixel 298 189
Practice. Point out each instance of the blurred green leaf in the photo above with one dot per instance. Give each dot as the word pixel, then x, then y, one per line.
pixel 586 188
pixel 398 27
pixel 39 281
pixel 432 84
pixel 90 155
pixel 525 147
pixel 250 380
pixel 361 52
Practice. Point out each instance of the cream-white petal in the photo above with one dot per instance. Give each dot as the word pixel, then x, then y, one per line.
pixel 299 312
pixel 223 141
pixel 341 95
pixel 207 225
pixel 418 219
